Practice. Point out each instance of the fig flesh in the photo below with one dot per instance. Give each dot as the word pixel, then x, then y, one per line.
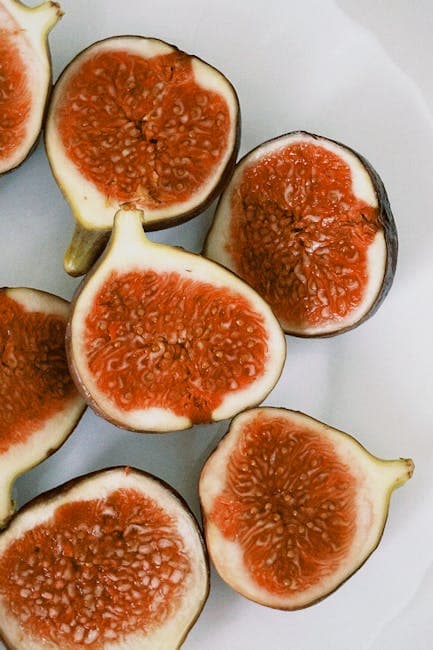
pixel 25 76
pixel 135 120
pixel 306 221
pixel 293 507
pixel 160 339
pixel 40 405
pixel 114 559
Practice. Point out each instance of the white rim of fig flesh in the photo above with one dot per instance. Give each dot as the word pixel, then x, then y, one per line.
pixel 99 486
pixel 35 23
pixel 376 481
pixel 363 188
pixel 130 250
pixel 90 207
pixel 53 432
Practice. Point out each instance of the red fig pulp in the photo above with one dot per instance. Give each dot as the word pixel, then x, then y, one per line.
pixel 160 339
pixel 307 223
pixel 293 507
pixel 39 402
pixel 135 120
pixel 25 76
pixel 112 560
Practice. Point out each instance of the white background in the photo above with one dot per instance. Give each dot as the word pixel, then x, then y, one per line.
pixel 358 72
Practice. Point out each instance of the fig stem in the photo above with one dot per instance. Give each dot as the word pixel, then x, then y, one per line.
pixel 399 471
pixel 84 249
pixel 50 12
pixel 47 14
pixel 128 229
pixel 7 505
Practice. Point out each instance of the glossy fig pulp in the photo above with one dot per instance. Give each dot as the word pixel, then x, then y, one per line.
pixel 112 560
pixel 306 221
pixel 135 120
pixel 25 76
pixel 160 339
pixel 292 507
pixel 40 405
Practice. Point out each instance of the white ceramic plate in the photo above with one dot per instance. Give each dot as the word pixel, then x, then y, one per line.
pixel 356 72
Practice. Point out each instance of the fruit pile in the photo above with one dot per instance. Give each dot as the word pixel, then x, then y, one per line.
pixel 141 136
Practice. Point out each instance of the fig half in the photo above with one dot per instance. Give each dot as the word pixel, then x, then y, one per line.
pixel 25 76
pixel 40 405
pixel 306 221
pixel 293 507
pixel 112 560
pixel 160 339
pixel 135 120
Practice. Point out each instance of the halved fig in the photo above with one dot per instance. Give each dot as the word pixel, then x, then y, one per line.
pixel 25 76
pixel 160 339
pixel 114 559
pixel 40 405
pixel 135 120
pixel 293 507
pixel 306 221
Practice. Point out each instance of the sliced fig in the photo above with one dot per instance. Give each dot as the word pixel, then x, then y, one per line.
pixel 160 339
pixel 306 221
pixel 114 559
pixel 40 405
pixel 25 76
pixel 293 507
pixel 135 120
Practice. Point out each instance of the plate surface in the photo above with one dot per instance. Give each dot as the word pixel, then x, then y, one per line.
pixel 353 75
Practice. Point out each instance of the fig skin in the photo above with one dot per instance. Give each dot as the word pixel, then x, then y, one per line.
pixel 56 444
pixel 88 243
pixel 64 488
pixel 57 15
pixel 385 218
pixel 399 479
pixel 85 392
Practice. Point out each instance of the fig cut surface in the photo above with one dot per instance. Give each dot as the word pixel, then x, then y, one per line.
pixel 306 221
pixel 293 507
pixel 114 559
pixel 135 120
pixel 25 76
pixel 40 405
pixel 160 339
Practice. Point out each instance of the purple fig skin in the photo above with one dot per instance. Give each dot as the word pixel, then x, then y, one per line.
pixel 64 488
pixel 227 172
pixel 386 220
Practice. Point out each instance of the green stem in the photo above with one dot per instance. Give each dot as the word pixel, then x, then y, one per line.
pixel 84 249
